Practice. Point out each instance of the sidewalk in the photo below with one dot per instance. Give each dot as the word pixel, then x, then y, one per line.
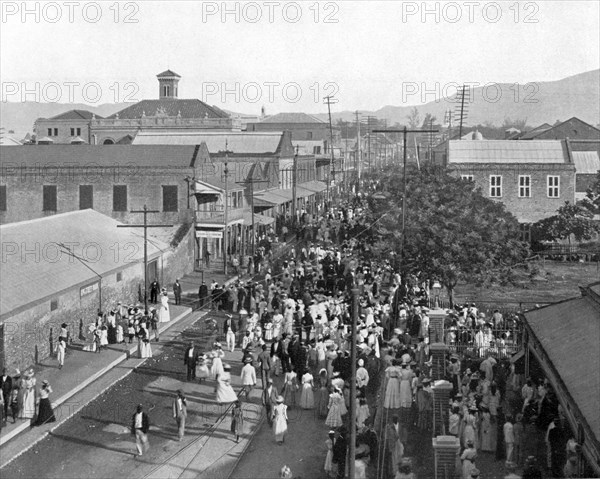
pixel 82 369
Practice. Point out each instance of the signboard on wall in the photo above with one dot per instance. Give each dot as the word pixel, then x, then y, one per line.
pixel 88 289
pixel 209 234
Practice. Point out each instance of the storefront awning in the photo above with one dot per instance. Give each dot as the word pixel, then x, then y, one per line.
pixel 314 185
pixel 258 219
pixel 271 198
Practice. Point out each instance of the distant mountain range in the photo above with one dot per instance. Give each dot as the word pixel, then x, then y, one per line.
pixel 536 102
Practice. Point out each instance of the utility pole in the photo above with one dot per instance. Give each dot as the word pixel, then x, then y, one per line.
pixel 357 158
pixel 295 185
pixel 405 132
pixel 329 100
pixel 226 211
pixel 355 298
pixel 145 212
pixel 369 131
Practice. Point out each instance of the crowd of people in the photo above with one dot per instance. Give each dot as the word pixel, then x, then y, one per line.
pixel 295 323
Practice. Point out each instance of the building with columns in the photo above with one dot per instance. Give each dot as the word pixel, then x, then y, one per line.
pixel 167 112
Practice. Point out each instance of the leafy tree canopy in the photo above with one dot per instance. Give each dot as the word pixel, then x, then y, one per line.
pixel 453 233
pixel 569 221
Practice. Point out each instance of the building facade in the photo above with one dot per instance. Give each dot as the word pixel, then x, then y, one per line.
pixel 533 179
pixel 167 112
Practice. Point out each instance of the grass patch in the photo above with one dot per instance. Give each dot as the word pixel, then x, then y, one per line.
pixel 556 281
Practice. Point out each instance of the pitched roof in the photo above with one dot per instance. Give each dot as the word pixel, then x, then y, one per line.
pixel 292 118
pixel 190 108
pixel 45 272
pixel 237 142
pixel 69 156
pixel 586 162
pixel 569 332
pixel 536 131
pixel 9 141
pixel 168 73
pixel 75 115
pixel 503 151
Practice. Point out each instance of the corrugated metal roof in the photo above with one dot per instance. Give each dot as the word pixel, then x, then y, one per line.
pixel 586 162
pixel 38 270
pixel 188 108
pixel 69 156
pixel 503 151
pixel 570 333
pixel 292 118
pixel 237 142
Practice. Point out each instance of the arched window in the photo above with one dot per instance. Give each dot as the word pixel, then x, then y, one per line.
pixel 108 141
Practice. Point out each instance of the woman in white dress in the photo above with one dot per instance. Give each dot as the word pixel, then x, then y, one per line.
pixel 307 399
pixel 146 351
pixel 103 337
pixel 164 316
pixel 334 416
pixel 279 420
pixel 27 409
pixel 91 346
pixel 224 391
pixel 202 371
pixel 217 364
pixel 269 331
pixel 392 389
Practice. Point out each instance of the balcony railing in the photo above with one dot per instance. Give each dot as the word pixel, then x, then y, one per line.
pixel 217 216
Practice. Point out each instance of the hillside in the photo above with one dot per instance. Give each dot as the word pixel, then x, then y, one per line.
pixel 543 102
pixel 539 102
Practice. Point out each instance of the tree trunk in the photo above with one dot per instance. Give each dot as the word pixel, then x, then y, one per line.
pixel 450 290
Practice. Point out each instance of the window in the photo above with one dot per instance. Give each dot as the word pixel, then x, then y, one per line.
pixel 166 90
pixel 54 305
pixel 240 199
pixel 525 231
pixel 553 186
pixel 49 131
pixel 119 277
pixel 120 198
pixel 524 186
pixel 309 135
pixel 78 131
pixel 49 198
pixel 86 197
pixel 170 198
pixel 2 197
pixel 72 131
pixel 466 177
pixel 316 150
pixel 495 186
pixel 55 131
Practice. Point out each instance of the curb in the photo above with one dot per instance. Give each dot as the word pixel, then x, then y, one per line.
pixel 65 397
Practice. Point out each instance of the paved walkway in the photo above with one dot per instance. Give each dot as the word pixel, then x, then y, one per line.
pixel 82 370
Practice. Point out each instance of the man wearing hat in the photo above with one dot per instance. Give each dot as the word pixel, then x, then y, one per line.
pixel 248 376
pixel 190 358
pixel 6 387
pixel 154 289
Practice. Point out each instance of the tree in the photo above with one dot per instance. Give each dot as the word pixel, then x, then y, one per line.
pixel 591 202
pixel 570 221
pixel 519 124
pixel 414 118
pixel 452 232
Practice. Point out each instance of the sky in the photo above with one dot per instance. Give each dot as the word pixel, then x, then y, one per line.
pixel 287 56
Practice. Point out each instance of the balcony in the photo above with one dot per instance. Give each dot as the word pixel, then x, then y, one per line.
pixel 216 216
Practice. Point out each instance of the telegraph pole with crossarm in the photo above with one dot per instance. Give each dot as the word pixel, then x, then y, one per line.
pixel 145 212
pixel 404 132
